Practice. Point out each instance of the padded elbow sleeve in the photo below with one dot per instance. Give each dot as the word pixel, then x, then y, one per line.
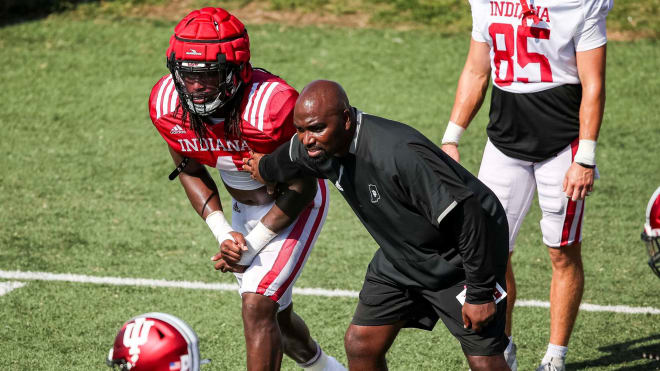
pixel 291 202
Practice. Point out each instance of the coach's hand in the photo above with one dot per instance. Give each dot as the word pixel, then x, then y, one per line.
pixel 452 150
pixel 578 182
pixel 251 165
pixel 478 316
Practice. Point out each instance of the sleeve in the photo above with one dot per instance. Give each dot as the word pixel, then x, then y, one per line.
pixel 431 185
pixel 473 246
pixel 151 103
pixel 280 115
pixel 477 18
pixel 591 32
pixel 163 100
pixel 285 163
pixel 438 191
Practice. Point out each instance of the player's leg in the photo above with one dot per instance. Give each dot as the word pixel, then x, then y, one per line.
pixel 512 181
pixel 565 291
pixel 296 339
pixel 511 294
pixel 510 353
pixel 297 342
pixel 275 269
pixel 262 334
pixel 366 346
pixel 562 233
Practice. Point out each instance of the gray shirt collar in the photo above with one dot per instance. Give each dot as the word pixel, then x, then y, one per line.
pixel 358 118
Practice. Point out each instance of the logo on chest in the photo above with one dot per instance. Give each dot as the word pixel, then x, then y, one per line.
pixel 373 192
pixel 177 129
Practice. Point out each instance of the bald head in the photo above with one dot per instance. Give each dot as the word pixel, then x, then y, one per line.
pixel 323 96
pixel 323 118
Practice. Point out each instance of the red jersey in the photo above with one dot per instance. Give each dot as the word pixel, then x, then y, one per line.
pixel 266 122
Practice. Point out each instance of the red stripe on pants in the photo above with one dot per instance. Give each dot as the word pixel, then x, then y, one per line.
pixel 287 248
pixel 570 207
pixel 308 244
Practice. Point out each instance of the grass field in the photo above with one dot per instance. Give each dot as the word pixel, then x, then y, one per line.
pixel 84 190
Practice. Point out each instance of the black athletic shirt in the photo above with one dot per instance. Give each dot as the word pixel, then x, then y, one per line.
pixel 434 221
pixel 534 126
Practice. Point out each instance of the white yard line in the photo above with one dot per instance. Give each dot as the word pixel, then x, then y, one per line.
pixel 6 287
pixel 118 281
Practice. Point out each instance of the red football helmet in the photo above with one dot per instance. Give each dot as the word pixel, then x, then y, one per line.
pixel 208 57
pixel 155 342
pixel 651 234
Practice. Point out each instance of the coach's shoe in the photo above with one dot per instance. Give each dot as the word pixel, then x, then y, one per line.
pixel 555 364
pixel 510 356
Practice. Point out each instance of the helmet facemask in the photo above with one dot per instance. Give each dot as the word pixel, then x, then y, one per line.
pixel 651 233
pixel 119 364
pixel 653 249
pixel 204 87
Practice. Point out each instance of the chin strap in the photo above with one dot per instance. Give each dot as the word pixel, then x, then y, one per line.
pixel 179 168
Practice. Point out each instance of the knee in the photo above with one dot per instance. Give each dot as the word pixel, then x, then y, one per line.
pixel 358 345
pixel 568 257
pixel 258 309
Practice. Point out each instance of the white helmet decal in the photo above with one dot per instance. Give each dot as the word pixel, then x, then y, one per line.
pixel 136 335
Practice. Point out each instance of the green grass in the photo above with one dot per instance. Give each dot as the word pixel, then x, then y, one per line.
pixel 84 190
pixel 629 19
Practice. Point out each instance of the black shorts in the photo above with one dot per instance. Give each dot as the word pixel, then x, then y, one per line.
pixel 384 302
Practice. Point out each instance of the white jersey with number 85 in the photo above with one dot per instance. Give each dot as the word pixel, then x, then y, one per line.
pixel 530 58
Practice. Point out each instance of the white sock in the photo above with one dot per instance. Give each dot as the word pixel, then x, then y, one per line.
pixel 510 346
pixel 554 351
pixel 322 362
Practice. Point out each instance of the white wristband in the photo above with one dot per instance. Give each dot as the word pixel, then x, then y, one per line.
pixel 256 240
pixel 219 226
pixel 452 133
pixel 586 152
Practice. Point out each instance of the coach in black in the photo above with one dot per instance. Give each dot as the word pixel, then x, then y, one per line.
pixel 443 235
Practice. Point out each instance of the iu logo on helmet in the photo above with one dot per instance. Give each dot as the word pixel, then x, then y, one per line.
pixel 135 336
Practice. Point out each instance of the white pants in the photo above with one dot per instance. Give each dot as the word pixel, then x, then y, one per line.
pixel 514 182
pixel 275 269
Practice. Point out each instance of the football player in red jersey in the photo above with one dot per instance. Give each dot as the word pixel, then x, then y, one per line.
pixel 547 63
pixel 212 109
